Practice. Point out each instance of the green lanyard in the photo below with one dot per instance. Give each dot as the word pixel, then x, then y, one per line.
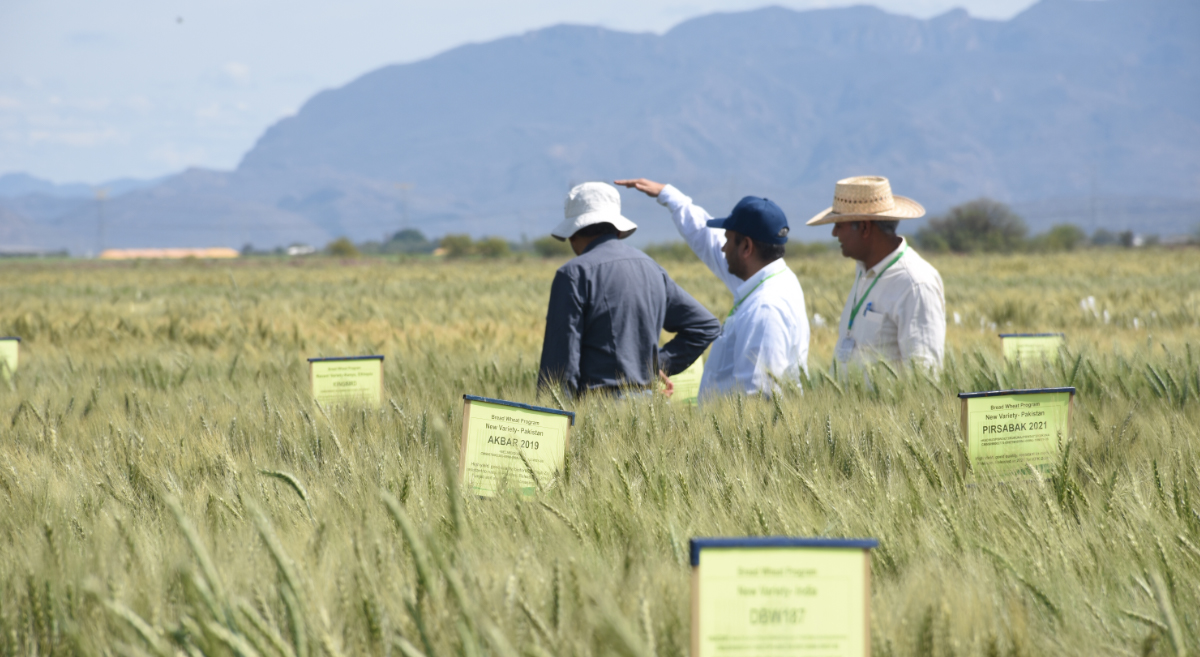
pixel 739 303
pixel 866 294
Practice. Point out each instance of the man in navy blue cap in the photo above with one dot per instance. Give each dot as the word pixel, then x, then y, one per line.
pixel 765 336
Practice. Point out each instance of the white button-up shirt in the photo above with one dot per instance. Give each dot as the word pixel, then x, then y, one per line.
pixel 767 335
pixel 903 319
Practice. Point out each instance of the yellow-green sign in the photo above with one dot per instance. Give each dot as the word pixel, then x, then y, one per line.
pixel 506 445
pixel 771 597
pixel 352 380
pixel 9 353
pixel 1009 431
pixel 687 383
pixel 1031 347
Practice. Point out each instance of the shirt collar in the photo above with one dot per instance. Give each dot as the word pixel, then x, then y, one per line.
pixel 600 240
pixel 774 267
pixel 882 263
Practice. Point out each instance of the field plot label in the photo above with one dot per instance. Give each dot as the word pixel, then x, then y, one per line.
pixel 687 383
pixel 776 597
pixel 354 379
pixel 10 351
pixel 1032 347
pixel 500 437
pixel 1009 430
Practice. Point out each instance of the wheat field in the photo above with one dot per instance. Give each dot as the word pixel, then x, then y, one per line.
pixel 167 486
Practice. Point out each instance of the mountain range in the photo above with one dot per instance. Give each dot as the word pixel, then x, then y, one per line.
pixel 1085 111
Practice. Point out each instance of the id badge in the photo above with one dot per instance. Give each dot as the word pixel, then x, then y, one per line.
pixel 845 347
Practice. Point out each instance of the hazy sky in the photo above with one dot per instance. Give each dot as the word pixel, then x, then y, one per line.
pixel 91 91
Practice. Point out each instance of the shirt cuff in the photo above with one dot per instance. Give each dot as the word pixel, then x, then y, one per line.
pixel 673 198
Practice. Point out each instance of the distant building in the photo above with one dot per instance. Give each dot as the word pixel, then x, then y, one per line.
pixel 301 250
pixel 174 254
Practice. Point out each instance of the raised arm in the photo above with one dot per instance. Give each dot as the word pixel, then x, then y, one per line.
pixel 561 344
pixel 691 221
pixel 694 328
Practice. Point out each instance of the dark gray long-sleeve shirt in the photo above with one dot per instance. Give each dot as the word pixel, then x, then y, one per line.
pixel 607 309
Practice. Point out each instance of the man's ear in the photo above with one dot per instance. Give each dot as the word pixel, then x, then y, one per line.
pixel 752 250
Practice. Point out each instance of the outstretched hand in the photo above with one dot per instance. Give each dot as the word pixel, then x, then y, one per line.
pixel 647 187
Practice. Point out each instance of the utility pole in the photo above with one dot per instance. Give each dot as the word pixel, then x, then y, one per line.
pixel 101 194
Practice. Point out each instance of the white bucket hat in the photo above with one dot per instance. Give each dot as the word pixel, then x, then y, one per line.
pixel 867 198
pixel 593 203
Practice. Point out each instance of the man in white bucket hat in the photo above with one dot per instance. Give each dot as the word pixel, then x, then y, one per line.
pixel 896 310
pixel 610 304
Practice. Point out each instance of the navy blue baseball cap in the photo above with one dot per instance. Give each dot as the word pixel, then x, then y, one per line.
pixel 757 218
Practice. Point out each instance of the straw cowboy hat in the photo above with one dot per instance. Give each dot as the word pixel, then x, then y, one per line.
pixel 867 198
pixel 593 203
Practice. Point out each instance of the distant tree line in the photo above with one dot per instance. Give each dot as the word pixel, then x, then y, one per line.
pixel 987 226
pixel 979 226
pixel 459 245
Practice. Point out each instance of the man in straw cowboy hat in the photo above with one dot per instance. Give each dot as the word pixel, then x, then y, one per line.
pixel 610 304
pixel 765 337
pixel 896 310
